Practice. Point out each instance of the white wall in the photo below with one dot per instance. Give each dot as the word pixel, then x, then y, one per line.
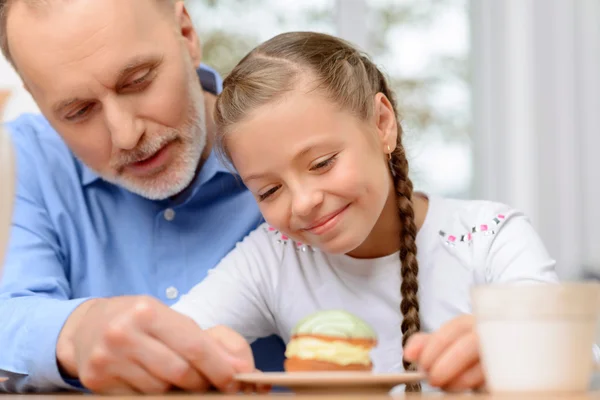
pixel 20 101
pixel 536 97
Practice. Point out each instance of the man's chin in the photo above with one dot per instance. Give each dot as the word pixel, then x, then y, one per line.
pixel 169 182
pixel 161 190
pixel 158 188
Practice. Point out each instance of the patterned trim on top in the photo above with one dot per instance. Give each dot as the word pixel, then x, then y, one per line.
pixel 284 240
pixel 449 239
pixel 467 237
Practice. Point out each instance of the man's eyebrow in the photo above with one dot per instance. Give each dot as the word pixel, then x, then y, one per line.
pixel 64 104
pixel 132 65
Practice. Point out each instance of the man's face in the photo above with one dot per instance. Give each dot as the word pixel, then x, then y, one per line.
pixel 117 80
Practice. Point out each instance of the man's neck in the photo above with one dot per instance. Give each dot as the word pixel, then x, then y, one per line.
pixel 210 101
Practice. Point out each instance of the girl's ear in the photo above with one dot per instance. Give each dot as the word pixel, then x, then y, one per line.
pixel 385 123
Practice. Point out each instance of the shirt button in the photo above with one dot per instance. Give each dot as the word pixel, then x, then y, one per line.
pixel 169 214
pixel 172 292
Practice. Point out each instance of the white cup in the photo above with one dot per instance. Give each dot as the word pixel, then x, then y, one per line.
pixel 7 190
pixel 537 338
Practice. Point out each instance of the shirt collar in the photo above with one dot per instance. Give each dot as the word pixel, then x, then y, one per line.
pixel 212 82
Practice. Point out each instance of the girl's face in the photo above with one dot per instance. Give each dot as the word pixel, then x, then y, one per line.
pixel 318 173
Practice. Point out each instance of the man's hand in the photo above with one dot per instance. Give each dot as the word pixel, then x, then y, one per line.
pixel 139 345
pixel 450 356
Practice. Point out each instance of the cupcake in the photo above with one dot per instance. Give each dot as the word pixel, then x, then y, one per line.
pixel 332 340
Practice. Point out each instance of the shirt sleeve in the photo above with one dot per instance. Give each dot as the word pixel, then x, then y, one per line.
pixel 239 291
pixel 514 252
pixel 34 293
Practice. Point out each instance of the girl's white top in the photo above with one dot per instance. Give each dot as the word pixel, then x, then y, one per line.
pixel 269 282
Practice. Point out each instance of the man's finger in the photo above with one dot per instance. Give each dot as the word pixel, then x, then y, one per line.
pixel 137 378
pixel 182 335
pixel 234 343
pixel 166 365
pixel 442 339
pixel 455 360
pixel 110 386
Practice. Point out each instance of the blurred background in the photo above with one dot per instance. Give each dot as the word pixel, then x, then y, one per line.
pixel 500 99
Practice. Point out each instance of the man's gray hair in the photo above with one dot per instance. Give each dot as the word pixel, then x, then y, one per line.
pixel 35 4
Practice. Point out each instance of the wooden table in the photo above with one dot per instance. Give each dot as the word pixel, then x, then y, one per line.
pixel 429 396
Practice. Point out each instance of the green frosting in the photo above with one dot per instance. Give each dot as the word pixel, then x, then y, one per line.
pixel 336 323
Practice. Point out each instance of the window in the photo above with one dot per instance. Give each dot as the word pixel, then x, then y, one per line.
pixel 229 29
pixel 422 46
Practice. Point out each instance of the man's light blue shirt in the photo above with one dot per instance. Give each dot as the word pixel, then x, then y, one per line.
pixel 75 236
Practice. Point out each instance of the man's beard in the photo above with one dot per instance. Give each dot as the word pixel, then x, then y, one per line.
pixel 190 139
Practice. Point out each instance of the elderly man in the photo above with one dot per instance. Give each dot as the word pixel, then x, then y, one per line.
pixel 121 203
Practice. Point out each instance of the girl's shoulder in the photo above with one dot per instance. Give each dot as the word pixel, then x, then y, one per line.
pixel 496 241
pixel 463 222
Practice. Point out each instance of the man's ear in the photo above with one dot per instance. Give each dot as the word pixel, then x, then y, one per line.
pixel 187 30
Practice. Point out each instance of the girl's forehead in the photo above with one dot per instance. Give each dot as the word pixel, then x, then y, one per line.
pixel 298 117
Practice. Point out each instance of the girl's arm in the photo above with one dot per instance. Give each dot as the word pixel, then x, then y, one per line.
pixel 238 292
pixel 505 250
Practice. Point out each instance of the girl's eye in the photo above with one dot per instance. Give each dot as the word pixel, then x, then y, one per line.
pixel 324 164
pixel 268 193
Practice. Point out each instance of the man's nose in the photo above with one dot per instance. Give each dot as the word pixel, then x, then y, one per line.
pixel 125 129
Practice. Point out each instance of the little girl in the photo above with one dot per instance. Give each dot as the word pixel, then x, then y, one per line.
pixel 311 126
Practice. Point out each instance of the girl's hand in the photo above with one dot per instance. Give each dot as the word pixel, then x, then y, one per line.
pixel 450 356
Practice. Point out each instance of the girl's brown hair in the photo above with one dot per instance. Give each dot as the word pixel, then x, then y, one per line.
pixel 350 80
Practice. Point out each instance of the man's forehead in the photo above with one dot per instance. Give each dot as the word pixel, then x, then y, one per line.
pixel 43 5
pixel 88 36
pixel 69 18
pixel 38 8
